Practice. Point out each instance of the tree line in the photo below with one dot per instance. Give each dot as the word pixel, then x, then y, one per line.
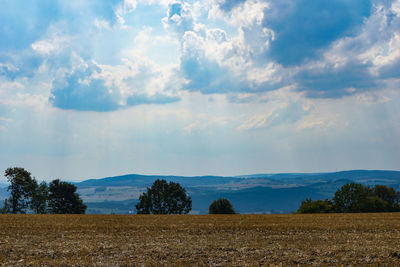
pixel 57 197
pixel 27 195
pixel 353 197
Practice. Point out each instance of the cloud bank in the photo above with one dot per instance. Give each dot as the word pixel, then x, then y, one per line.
pixel 241 86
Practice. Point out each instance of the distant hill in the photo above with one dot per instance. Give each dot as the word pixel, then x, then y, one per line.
pixel 146 180
pixel 258 193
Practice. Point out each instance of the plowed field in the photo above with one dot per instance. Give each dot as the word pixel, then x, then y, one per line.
pixel 235 240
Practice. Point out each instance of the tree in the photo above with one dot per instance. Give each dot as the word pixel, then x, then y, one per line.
pixel 354 197
pixel 373 204
pixel 387 194
pixel 63 198
pixel 318 206
pixel 21 186
pixel 221 206
pixel 39 198
pixel 164 198
pixel 350 198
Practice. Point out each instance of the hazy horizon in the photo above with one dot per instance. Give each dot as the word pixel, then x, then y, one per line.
pixel 92 89
pixel 75 179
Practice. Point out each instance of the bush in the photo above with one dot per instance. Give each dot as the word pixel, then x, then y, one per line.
pixel 221 206
pixel 318 206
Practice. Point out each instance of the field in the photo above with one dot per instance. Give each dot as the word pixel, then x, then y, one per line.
pixel 236 240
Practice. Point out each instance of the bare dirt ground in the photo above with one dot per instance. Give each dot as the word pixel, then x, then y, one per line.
pixel 235 240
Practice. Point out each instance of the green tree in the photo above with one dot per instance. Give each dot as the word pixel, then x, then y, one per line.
pixel 164 198
pixel 351 198
pixel 63 199
pixel 354 197
pixel 387 194
pixel 373 204
pixel 39 198
pixel 317 206
pixel 22 185
pixel 221 206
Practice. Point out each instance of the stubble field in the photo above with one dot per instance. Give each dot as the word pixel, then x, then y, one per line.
pixel 235 240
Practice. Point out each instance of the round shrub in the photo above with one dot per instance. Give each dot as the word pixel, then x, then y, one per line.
pixel 221 206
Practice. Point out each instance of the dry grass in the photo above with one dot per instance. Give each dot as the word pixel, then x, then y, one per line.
pixel 238 240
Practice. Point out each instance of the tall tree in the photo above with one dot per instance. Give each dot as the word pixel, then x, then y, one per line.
pixel 63 198
pixel 164 198
pixel 22 185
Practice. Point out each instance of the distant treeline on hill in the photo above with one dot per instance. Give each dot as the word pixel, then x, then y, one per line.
pixel 353 197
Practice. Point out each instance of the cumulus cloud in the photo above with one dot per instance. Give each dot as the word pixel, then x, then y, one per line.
pixel 246 47
pixel 124 8
pixel 81 47
pixel 203 73
pixel 82 92
pixel 179 17
pixel 328 50
pixel 331 82
pixel 357 63
pixel 29 30
pixel 212 62
pixel 302 29
pixel 89 86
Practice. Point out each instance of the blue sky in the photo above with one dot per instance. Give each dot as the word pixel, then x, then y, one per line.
pixel 90 89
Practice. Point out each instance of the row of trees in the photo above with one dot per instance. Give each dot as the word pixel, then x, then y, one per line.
pixel 171 198
pixel 26 194
pixel 355 197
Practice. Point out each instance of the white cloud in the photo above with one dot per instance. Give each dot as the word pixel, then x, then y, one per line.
pixel 179 18
pixel 390 52
pixel 51 46
pixel 255 122
pixel 371 98
pixel 214 61
pixel 164 3
pixel 244 15
pixel 102 24
pixel 126 7
pixel 396 7
pixel 7 67
pixel 7 86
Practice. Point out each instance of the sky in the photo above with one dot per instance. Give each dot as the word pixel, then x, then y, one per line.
pixel 91 89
